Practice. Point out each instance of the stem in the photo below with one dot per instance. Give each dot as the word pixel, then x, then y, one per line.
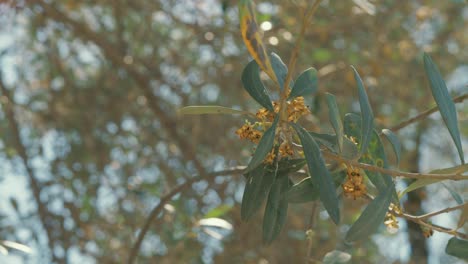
pixel 292 61
pixel 425 114
pixel 165 199
pixel 446 210
pixel 394 173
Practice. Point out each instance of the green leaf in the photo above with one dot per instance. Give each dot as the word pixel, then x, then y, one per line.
pixel 327 140
pixel 286 166
pixel 375 155
pixel 306 84
pixel 322 176
pixel 276 209
pixel 372 217
pixel 264 147
pixel 457 247
pixel 336 257
pixel 302 192
pixel 209 109
pixel 367 115
pixel 335 119
pixel 259 183
pixel 424 182
pixel 254 86
pixel 454 194
pixel 463 217
pixel 279 68
pixel 444 102
pixel 218 211
pixel 350 150
pixel 393 139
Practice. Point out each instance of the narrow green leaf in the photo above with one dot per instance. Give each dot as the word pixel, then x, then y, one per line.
pixel 463 216
pixel 302 192
pixel 371 218
pixel 254 86
pixel 424 182
pixel 393 139
pixel 259 183
pixel 454 194
pixel 336 257
pixel 218 211
pixel 209 109
pixel 264 147
pixel 279 68
pixel 322 176
pixel 374 156
pixel 335 119
pixel 444 102
pixel 306 84
pixel 457 247
pixel 276 209
pixel 327 140
pixel 286 166
pixel 367 116
pixel 350 150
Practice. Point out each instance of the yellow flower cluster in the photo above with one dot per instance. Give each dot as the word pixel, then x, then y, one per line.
pixel 295 108
pixel 391 222
pixel 354 185
pixel 284 150
pixel 247 131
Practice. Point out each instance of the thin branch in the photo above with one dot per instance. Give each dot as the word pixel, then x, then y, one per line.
pixel 425 114
pixel 446 210
pixel 418 220
pixel 166 198
pixel 44 214
pixel 394 173
pixel 108 49
pixel 292 60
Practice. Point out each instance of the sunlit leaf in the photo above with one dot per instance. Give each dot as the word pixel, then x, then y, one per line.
pixel 335 119
pixel 457 247
pixel 218 211
pixel 264 147
pixel 279 68
pixel 17 246
pixel 209 109
pixel 371 218
pixel 215 222
pixel 336 257
pixel 252 37
pixel 367 116
pixel 444 102
pixel 394 141
pixel 321 176
pixel 254 86
pixel 256 190
pixel 306 83
pixel 276 209
pixel 302 192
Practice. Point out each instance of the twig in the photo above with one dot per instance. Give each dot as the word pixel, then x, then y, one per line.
pixel 446 210
pixel 426 113
pixel 394 173
pixel 166 198
pixel 7 105
pixel 418 220
pixel 313 218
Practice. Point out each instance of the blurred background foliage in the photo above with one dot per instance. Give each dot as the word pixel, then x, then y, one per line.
pixel 93 89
